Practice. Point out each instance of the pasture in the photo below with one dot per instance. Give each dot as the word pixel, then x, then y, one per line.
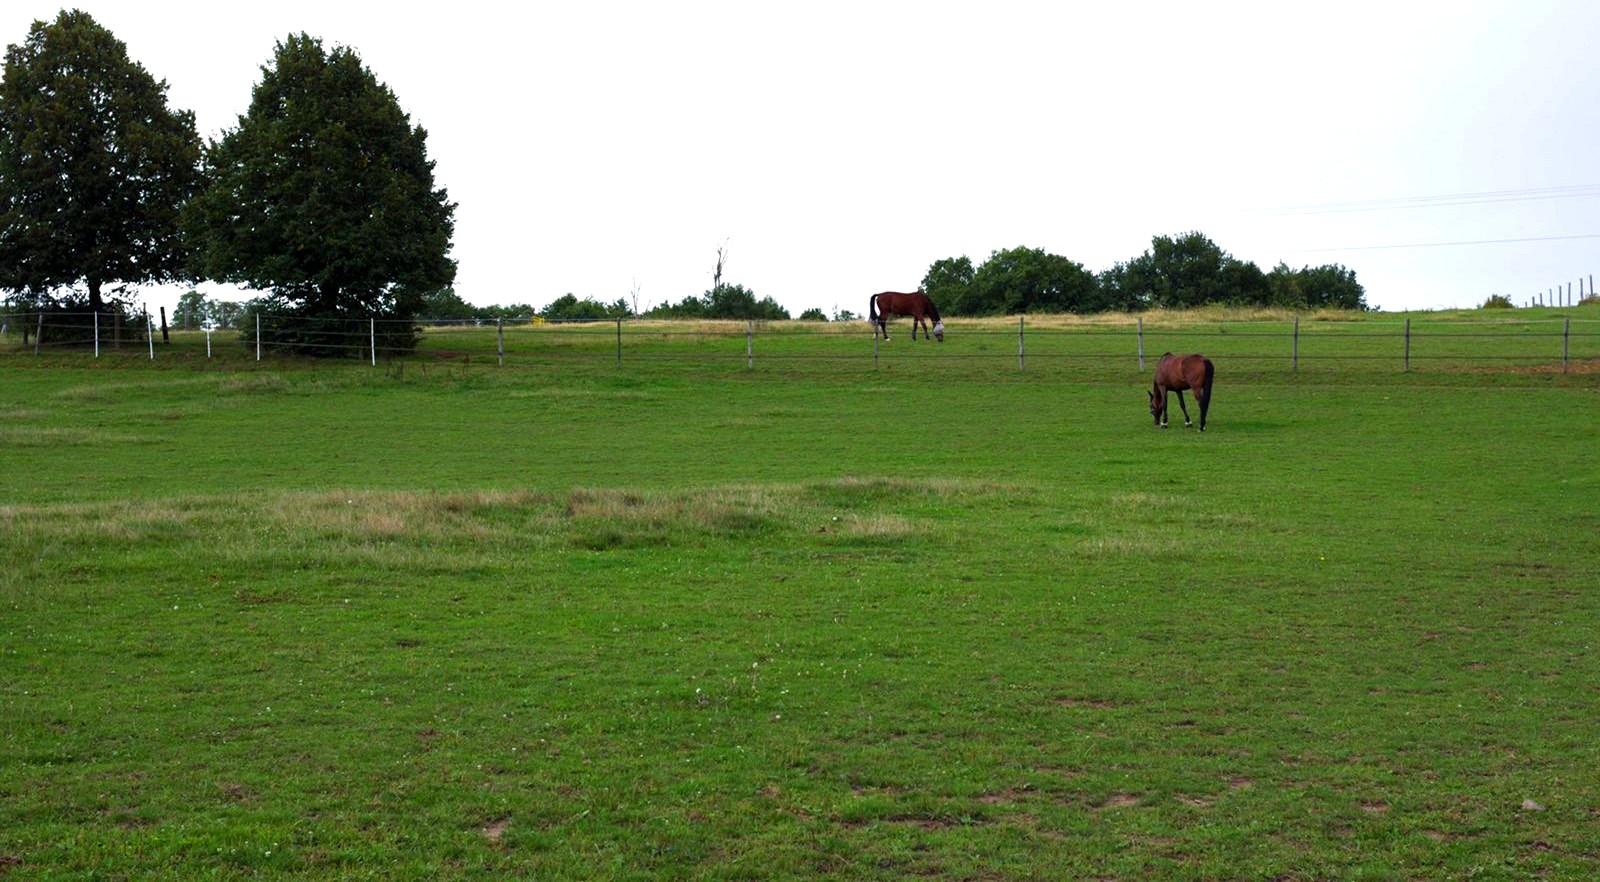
pixel 686 620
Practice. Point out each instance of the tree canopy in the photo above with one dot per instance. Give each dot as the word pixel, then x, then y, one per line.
pixel 722 302
pixel 94 166
pixel 324 194
pixel 1020 280
pixel 1174 273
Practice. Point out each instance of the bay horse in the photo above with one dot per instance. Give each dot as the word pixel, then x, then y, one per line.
pixel 1175 373
pixel 916 304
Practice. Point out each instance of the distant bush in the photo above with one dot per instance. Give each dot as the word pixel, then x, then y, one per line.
pixel 813 315
pixel 1498 301
pixel 1589 300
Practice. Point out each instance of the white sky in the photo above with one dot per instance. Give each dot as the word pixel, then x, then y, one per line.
pixel 839 148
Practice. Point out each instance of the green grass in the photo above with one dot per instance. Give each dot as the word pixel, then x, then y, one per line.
pixel 684 620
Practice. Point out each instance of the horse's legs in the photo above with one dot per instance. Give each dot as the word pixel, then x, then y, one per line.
pixel 1204 397
pixel 1163 415
pixel 915 321
pixel 1186 421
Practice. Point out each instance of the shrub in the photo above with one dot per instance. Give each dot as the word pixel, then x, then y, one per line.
pixel 1498 301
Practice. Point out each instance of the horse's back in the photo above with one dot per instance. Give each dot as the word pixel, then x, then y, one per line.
pixel 1184 371
pixel 902 303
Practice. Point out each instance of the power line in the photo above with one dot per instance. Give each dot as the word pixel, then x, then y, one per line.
pixel 1439 244
pixel 1452 199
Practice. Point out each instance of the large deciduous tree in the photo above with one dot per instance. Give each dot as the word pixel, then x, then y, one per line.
pixel 1021 280
pixel 324 196
pixel 1183 272
pixel 94 166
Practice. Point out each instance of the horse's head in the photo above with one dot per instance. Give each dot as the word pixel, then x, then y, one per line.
pixel 938 331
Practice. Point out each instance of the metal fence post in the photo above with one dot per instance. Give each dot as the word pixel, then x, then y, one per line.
pixel 97 334
pixel 1407 364
pixel 38 334
pixel 1141 344
pixel 372 332
pixel 258 336
pixel 150 335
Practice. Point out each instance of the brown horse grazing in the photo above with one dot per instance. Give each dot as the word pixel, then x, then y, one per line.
pixel 1176 373
pixel 916 304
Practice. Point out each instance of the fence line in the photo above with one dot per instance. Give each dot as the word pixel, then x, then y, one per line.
pixel 654 340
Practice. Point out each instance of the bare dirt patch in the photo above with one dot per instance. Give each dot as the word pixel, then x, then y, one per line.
pixel 1095 703
pixel 1119 800
pixel 496 828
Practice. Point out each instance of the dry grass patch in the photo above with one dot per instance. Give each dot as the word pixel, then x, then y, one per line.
pixel 39 436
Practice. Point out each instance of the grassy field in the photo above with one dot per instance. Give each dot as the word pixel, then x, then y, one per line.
pixel 681 619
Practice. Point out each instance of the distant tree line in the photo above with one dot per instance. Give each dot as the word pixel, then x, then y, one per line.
pixel 323 199
pixel 1174 273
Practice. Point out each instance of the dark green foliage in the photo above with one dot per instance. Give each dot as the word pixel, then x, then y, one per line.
pixel 1325 287
pixel 94 167
pixel 325 197
pixel 723 302
pixel 1022 280
pixel 190 313
pixel 445 305
pixel 1498 301
pixel 1184 272
pixel 813 315
pixel 949 283
pixel 568 308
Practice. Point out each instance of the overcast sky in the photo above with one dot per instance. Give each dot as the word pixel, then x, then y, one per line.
pixel 838 149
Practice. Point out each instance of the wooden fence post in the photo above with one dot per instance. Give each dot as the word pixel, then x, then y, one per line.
pixel 1020 360
pixel 619 341
pixel 874 347
pixel 500 340
pixel 1294 352
pixel 1566 338
pixel 1407 366
pixel 150 334
pixel 372 336
pixel 97 334
pixel 750 344
pixel 39 333
pixel 1141 344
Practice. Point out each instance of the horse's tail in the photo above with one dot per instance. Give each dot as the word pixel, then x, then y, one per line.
pixel 1210 372
pixel 872 308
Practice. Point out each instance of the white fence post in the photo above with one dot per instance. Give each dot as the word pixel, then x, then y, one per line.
pixel 372 331
pixel 150 335
pixel 258 336
pixel 97 334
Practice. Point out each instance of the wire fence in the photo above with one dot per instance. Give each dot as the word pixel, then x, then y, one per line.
pixel 1020 343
